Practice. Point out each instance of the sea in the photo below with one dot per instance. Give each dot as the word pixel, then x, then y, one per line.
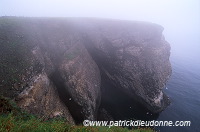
pixel 183 89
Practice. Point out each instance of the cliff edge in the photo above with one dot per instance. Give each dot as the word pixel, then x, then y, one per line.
pixel 71 67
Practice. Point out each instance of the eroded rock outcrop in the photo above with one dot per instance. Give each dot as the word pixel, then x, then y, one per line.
pixel 81 80
pixel 41 98
pixel 56 66
pixel 135 58
pixel 55 73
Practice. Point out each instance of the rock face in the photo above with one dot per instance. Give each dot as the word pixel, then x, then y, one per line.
pixel 135 58
pixel 81 80
pixel 63 67
pixel 38 98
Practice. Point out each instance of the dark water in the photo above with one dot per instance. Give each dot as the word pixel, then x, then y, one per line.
pixel 184 91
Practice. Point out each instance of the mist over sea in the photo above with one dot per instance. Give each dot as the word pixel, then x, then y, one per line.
pixel 183 88
pixel 181 22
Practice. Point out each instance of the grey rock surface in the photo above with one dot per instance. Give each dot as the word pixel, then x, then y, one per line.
pixel 54 66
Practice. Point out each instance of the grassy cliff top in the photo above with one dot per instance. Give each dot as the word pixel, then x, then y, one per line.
pixel 14 120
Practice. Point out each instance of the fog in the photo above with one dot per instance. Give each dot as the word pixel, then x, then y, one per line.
pixel 180 18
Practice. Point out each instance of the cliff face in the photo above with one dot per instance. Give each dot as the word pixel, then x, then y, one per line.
pixel 134 57
pixel 65 66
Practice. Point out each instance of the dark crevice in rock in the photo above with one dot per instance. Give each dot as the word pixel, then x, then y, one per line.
pixel 132 58
pixel 66 98
pixel 120 106
pixel 114 101
pixel 98 56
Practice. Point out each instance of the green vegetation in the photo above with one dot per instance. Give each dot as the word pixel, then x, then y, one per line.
pixel 17 124
pixel 12 119
pixel 17 66
pixel 32 124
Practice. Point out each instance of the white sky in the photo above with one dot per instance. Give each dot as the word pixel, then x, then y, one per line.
pixel 180 18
